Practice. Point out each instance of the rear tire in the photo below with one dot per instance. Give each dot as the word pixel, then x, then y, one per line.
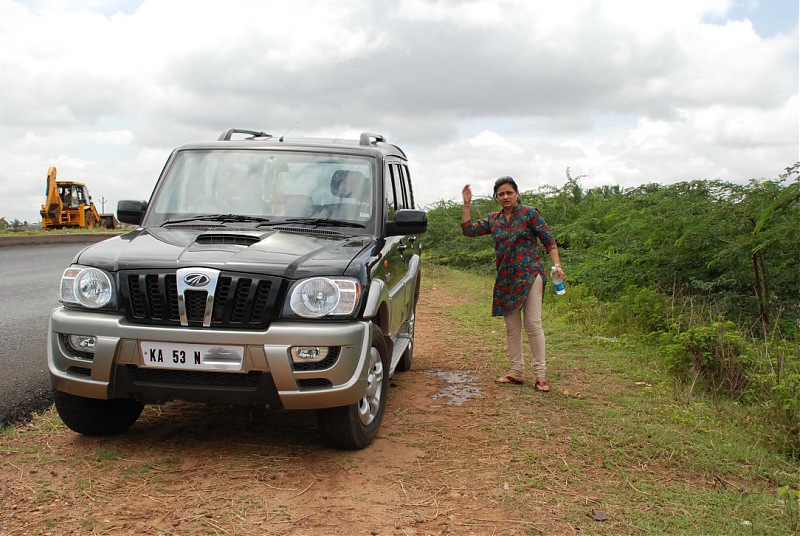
pixel 355 426
pixel 95 417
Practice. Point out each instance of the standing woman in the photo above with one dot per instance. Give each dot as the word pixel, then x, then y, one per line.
pixel 519 286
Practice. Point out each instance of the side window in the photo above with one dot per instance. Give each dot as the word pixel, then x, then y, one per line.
pixel 398 189
pixel 408 194
pixel 393 181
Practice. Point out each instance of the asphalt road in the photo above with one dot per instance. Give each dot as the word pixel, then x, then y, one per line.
pixel 29 278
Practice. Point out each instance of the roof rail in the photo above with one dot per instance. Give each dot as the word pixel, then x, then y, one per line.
pixel 367 136
pixel 226 136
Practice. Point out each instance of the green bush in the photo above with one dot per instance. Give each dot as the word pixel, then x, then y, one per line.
pixel 639 310
pixel 711 357
pixel 786 396
pixel 777 382
pixel 578 307
pixel 791 503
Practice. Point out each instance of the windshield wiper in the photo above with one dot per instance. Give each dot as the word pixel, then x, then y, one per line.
pixel 324 222
pixel 223 218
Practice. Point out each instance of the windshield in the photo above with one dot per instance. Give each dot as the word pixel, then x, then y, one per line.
pixel 264 187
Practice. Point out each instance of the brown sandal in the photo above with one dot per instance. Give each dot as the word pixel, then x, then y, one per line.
pixel 508 378
pixel 542 386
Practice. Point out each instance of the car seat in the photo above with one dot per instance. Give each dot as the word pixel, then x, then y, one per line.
pixel 355 187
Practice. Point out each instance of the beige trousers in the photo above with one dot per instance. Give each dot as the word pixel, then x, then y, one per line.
pixel 532 313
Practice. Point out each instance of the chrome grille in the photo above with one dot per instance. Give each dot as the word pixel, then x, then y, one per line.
pixel 239 301
pixel 195 304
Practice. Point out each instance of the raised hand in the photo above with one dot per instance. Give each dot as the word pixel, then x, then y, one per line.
pixel 466 194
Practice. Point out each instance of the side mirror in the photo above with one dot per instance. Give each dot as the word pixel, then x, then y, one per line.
pixel 131 211
pixel 407 221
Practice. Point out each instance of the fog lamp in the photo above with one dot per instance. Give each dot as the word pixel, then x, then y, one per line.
pixel 82 343
pixel 309 354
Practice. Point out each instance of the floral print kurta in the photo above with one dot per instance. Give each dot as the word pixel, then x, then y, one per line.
pixel 516 253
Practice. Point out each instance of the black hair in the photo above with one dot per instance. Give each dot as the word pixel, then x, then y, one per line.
pixel 504 180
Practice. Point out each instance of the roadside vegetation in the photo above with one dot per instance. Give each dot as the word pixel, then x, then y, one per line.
pixel 617 447
pixel 6 225
pixel 673 459
pixel 675 407
pixel 37 232
pixel 706 272
pixel 17 228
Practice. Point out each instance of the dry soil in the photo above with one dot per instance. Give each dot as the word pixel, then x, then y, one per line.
pixel 457 454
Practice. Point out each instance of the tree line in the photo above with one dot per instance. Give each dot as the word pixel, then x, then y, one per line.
pixel 15 223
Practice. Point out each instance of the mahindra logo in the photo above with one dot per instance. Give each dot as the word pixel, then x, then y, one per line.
pixel 196 280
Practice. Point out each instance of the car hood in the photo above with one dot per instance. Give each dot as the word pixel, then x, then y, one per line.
pixel 297 253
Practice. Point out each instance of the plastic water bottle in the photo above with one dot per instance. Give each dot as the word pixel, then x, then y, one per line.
pixel 557 281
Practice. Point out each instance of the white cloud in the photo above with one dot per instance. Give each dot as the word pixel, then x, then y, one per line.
pixel 624 92
pixel 487 140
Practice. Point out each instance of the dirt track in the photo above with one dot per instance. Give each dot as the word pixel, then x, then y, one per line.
pixel 443 462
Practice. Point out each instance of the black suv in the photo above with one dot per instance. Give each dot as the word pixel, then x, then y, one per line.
pixel 264 270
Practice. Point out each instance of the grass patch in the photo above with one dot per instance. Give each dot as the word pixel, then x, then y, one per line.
pixel 628 443
pixel 614 440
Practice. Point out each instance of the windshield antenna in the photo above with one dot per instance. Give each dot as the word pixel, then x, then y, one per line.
pixel 290 129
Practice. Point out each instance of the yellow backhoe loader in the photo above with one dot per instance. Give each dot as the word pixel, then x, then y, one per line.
pixel 68 204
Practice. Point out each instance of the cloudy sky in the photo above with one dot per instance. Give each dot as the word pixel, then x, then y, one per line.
pixel 622 92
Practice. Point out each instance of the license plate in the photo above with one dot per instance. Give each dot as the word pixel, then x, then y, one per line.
pixel 192 356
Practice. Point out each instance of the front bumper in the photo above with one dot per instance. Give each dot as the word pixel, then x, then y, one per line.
pixel 268 375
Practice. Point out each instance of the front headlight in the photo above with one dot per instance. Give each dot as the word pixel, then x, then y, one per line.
pixel 89 287
pixel 323 296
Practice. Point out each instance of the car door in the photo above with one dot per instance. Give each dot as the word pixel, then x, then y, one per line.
pixel 401 253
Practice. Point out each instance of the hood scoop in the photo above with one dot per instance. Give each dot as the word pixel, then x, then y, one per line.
pixel 239 239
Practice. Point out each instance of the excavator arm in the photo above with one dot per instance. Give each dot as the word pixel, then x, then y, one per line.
pixel 51 210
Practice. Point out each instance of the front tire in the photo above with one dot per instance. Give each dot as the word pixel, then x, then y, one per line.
pixel 89 220
pixel 95 417
pixel 355 426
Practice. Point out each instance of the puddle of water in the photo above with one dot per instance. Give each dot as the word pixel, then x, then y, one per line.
pixel 461 386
